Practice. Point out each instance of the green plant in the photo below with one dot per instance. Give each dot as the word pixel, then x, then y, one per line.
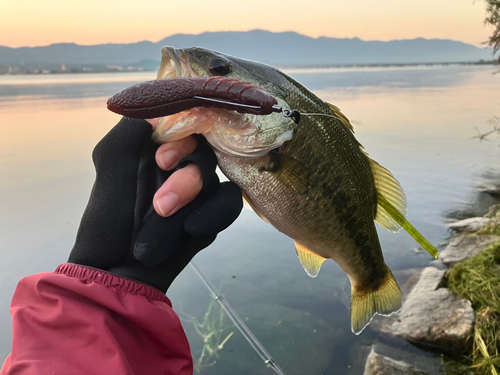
pixel 478 280
pixel 493 19
pixel 212 329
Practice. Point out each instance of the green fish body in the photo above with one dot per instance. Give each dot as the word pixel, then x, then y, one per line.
pixel 309 178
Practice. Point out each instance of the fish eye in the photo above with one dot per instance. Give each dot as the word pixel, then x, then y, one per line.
pixel 219 67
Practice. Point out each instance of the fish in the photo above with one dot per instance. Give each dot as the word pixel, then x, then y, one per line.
pixel 305 173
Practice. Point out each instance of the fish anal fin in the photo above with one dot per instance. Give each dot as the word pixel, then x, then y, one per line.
pixel 249 204
pixel 310 261
pixel 389 187
pixel 385 300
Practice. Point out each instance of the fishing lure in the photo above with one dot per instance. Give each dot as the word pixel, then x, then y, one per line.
pixel 165 97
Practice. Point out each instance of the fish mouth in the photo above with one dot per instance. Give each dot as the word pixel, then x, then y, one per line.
pixel 227 131
pixel 174 63
pixel 174 97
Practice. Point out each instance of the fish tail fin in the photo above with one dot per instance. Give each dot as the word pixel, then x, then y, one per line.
pixel 385 300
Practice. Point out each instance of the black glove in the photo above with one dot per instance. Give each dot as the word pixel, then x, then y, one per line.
pixel 120 232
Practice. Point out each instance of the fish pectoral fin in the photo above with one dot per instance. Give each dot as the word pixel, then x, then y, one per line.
pixel 290 172
pixel 385 300
pixel 389 187
pixel 250 205
pixel 310 261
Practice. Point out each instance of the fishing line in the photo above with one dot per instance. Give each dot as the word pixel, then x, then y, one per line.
pixel 286 112
pixel 242 327
pixel 318 114
pixel 295 114
pixel 235 318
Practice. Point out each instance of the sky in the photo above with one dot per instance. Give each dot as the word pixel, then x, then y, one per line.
pixel 39 23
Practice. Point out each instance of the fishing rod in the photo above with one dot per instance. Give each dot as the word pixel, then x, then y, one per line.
pixel 242 327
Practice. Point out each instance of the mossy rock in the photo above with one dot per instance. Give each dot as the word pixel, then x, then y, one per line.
pixel 478 280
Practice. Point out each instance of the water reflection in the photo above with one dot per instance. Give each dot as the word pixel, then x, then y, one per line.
pixel 65 86
pixel 385 77
pixel 415 122
pixel 484 196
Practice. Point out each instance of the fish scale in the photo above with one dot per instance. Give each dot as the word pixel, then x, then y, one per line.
pixel 357 218
pixel 316 187
pixel 307 175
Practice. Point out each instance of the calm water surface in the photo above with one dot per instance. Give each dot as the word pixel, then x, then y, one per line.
pixel 417 122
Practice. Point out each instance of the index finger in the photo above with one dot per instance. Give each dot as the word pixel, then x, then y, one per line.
pixel 154 122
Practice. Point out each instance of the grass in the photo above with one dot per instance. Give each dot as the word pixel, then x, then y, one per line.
pixel 478 280
pixel 493 227
pixel 212 330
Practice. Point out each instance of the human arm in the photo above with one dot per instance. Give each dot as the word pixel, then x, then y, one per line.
pixel 108 306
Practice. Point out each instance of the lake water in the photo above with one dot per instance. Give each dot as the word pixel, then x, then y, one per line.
pixel 416 121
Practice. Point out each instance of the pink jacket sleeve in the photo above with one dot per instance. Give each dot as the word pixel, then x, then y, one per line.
pixel 80 320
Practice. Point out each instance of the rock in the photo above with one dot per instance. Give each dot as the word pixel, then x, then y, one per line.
pixel 377 364
pixel 494 212
pixel 386 360
pixel 407 279
pixel 465 247
pixel 472 224
pixel 490 189
pixel 432 315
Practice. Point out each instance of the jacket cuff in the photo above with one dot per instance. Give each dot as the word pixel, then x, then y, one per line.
pixel 112 281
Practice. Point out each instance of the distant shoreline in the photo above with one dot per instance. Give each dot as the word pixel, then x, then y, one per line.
pixel 21 70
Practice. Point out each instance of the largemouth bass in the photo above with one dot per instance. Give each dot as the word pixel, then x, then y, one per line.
pixel 306 174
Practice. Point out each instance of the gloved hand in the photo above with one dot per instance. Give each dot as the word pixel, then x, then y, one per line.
pixel 120 231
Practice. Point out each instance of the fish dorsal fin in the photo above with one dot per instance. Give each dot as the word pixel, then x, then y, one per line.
pixel 392 206
pixel 401 220
pixel 389 187
pixel 251 206
pixel 345 121
pixel 310 261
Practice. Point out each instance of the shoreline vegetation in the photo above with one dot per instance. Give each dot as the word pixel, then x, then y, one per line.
pixel 477 279
pixel 451 314
pixel 150 65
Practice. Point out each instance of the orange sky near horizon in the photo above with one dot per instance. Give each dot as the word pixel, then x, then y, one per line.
pixel 38 23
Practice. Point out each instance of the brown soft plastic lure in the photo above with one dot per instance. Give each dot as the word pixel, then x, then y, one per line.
pixel 165 97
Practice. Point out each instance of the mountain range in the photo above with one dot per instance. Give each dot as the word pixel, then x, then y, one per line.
pixel 284 48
